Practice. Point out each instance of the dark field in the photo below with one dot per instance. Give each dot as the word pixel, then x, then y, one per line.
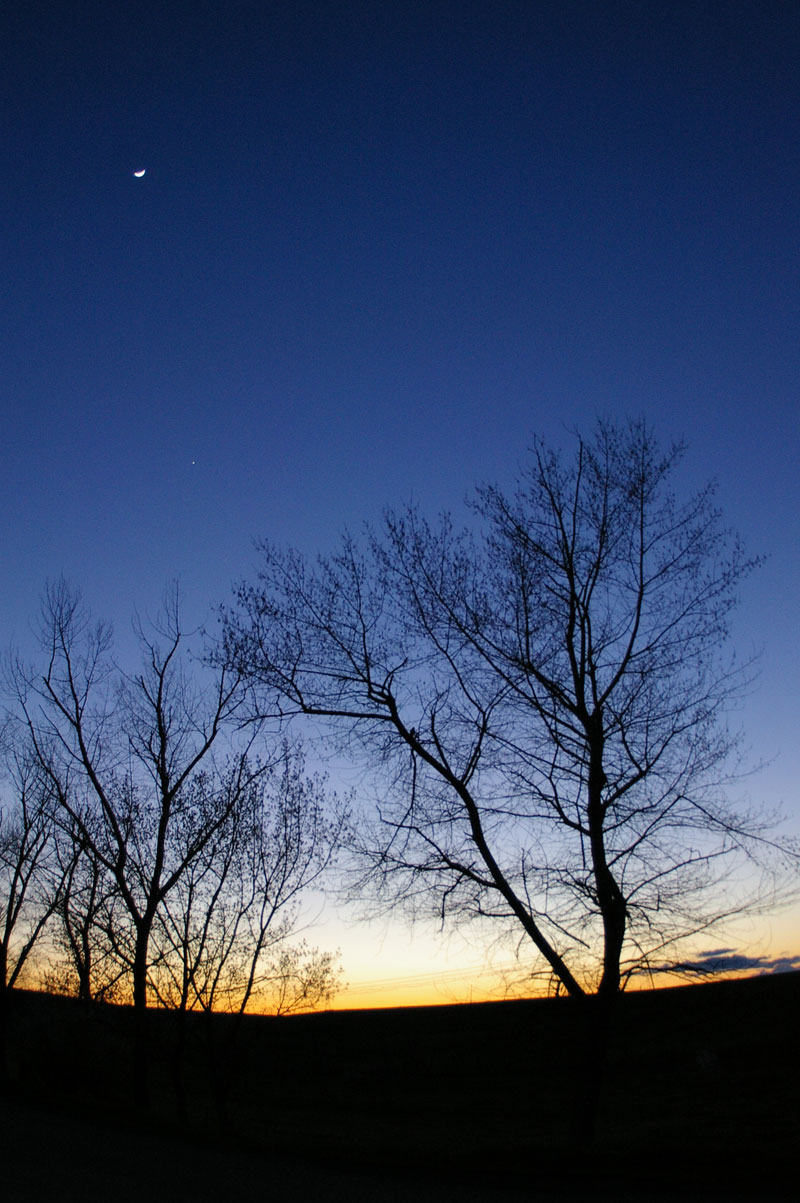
pixel 695 1095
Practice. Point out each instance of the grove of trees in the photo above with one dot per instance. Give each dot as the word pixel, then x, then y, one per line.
pixel 153 847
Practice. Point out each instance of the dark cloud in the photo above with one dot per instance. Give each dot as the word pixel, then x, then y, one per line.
pixel 727 960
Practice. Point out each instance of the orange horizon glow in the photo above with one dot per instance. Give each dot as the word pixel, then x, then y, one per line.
pixel 373 997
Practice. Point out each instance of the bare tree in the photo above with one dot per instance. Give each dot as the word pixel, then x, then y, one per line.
pixel 130 762
pixel 543 701
pixel 300 978
pixel 223 935
pixel 31 878
pixel 83 959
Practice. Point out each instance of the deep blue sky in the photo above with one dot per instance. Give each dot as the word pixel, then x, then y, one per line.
pixel 377 247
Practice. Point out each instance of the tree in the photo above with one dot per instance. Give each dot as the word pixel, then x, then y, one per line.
pixel 31 881
pixel 129 761
pixel 543 701
pixel 223 935
pixel 31 878
pixel 84 962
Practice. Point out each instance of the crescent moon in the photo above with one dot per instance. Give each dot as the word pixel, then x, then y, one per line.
pixel 139 174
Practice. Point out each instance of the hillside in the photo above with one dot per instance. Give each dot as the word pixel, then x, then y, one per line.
pixel 696 1094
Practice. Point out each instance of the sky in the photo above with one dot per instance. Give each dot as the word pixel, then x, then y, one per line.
pixel 376 249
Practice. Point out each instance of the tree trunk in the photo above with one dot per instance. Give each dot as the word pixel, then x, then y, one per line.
pixel 141 1048
pixel 4 992
pixel 140 975
pixel 609 896
pixel 85 967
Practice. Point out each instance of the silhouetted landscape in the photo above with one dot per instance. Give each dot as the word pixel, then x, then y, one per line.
pixel 400 442
pixel 694 1095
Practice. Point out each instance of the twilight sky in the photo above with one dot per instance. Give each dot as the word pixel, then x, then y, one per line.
pixel 376 248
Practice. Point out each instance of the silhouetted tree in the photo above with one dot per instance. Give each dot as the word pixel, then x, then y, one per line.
pixel 83 961
pixel 300 978
pixel 223 935
pixel 129 762
pixel 31 878
pixel 543 701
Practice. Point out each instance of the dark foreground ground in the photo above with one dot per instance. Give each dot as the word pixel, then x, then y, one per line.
pixel 695 1096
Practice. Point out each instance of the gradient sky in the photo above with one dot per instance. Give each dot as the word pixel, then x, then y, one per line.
pixel 376 248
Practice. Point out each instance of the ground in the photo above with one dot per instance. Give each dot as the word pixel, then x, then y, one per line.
pixel 695 1096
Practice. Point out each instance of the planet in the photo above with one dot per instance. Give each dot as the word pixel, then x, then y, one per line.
pixel 139 174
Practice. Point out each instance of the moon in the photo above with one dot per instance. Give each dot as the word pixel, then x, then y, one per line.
pixel 139 174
